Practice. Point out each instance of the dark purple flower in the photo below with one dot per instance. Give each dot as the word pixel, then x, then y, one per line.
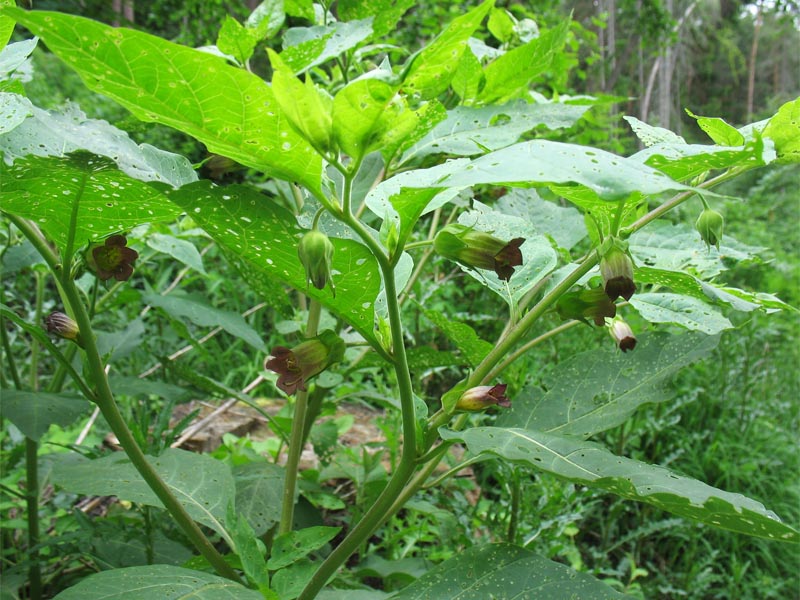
pixel 616 267
pixel 594 304
pixel 622 334
pixel 482 397
pixel 479 250
pixel 112 259
pixel 297 365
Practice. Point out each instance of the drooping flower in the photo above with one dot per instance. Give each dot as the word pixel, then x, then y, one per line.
pixel 112 258
pixel 315 251
pixel 63 326
pixel 583 304
pixel 709 225
pixel 482 397
pixel 616 267
pixel 479 250
pixel 296 366
pixel 622 334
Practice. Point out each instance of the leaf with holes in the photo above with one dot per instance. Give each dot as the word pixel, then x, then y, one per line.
pixel 259 492
pixel 306 47
pixel 650 135
pixel 600 389
pixel 462 335
pixel 590 464
pixel 468 131
pixel 294 545
pixel 264 236
pixel 34 412
pixel 784 130
pixel 563 224
pixel 691 313
pixel 504 571
pixel 165 582
pixel 203 485
pixel 386 13
pixel 44 189
pixel 232 111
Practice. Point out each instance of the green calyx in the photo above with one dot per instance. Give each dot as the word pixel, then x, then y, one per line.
pixel 315 251
pixel 710 225
pixel 479 250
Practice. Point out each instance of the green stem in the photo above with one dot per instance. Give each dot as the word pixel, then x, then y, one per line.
pixel 298 430
pixel 73 219
pixel 380 510
pixel 516 494
pixel 108 407
pixel 420 244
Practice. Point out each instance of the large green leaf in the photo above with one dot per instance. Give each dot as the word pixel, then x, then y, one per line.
pixel 468 131
pixel 386 13
pixel 44 189
pixel 14 55
pixel 564 224
pixel 691 313
pixel 678 247
pixel 57 133
pixel 597 390
pixel 203 485
pixel 541 162
pixel 462 335
pixel 264 236
pixel 357 109
pixel 433 67
pixel 591 464
pixel 511 74
pixel 504 571
pixel 34 412
pixel 157 582
pixel 232 111
pixel 784 130
pixel 259 493
pixel 199 312
pixel 306 47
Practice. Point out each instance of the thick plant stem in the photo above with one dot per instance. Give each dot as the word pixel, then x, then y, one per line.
pixel 381 509
pixel 108 407
pixel 298 430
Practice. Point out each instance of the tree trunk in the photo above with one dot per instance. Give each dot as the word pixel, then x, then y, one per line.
pixel 751 67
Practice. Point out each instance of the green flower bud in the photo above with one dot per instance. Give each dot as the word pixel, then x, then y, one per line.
pixel 112 258
pixel 622 334
pixel 63 326
pixel 479 250
pixel 297 365
pixel 616 267
pixel 709 225
pixel 482 397
pixel 585 304
pixel 316 252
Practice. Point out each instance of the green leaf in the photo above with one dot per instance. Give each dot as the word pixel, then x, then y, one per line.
pixel 300 8
pixel 14 55
pixel 501 25
pixel 14 109
pixel 718 130
pixel 307 107
pixel 249 549
pixel 306 47
pixel 161 582
pixel 236 40
pixel 650 135
pixel 462 335
pixel 259 493
pixel 512 73
pixel 784 130
pixel 167 83
pixel 540 162
pixel 43 189
pixel 357 109
pixel 597 390
pixel 34 412
pixel 6 24
pixel 504 571
pixel 386 13
pixel 691 313
pixel 433 67
pixel 181 250
pixel 58 133
pixel 591 464
pixel 203 485
pixel 683 161
pixel 266 19
pixel 678 247
pixel 291 547
pixel 468 131
pixel 199 312
pixel 264 236
pixel 468 78
pixel 564 224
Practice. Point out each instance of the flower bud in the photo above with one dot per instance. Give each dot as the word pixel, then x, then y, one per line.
pixel 479 250
pixel 709 225
pixel 316 252
pixel 63 326
pixel 309 358
pixel 111 259
pixel 616 267
pixel 622 334
pixel 586 303
pixel 482 397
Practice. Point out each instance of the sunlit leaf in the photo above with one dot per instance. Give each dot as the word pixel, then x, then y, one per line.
pixel 784 130
pixel 691 313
